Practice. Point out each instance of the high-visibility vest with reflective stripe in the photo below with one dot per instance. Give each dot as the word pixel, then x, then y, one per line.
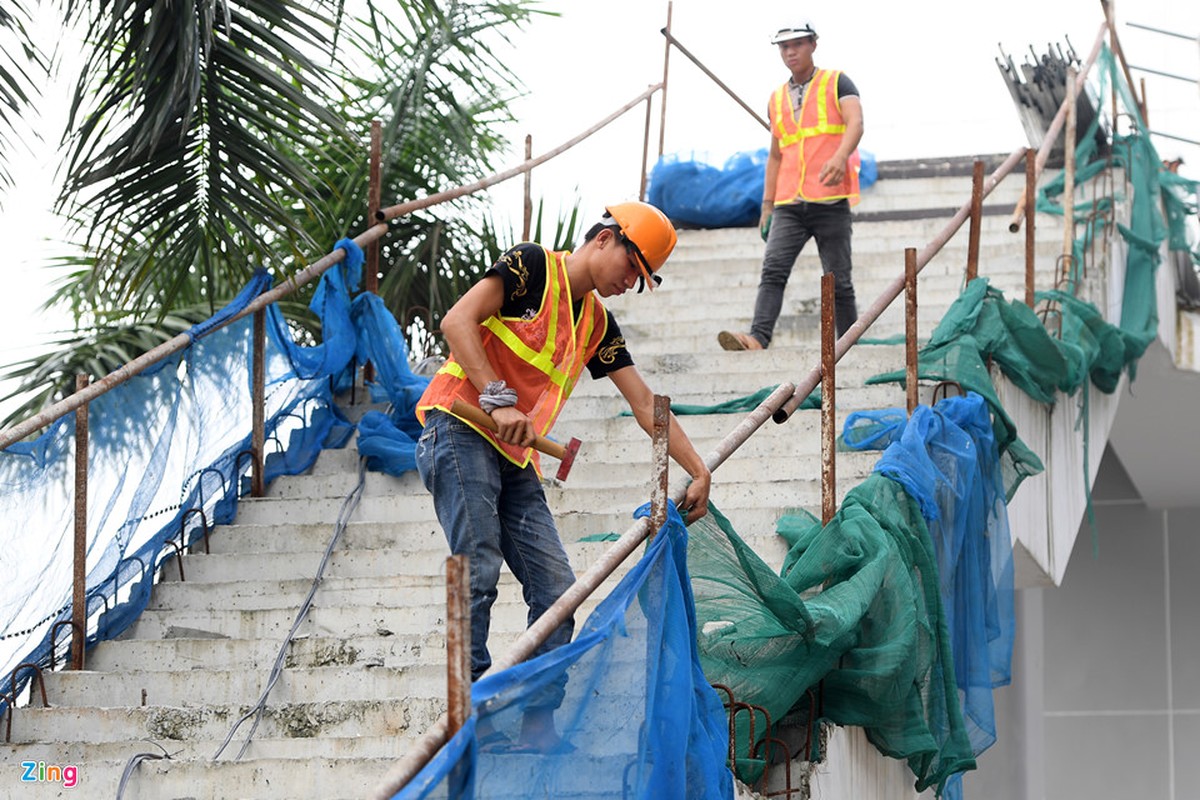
pixel 541 358
pixel 808 140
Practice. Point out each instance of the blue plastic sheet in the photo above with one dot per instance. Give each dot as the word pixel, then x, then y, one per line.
pixel 639 719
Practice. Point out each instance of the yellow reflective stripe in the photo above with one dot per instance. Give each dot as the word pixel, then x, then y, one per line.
pixel 453 369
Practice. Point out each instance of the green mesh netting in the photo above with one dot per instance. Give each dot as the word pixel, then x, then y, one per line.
pixel 876 635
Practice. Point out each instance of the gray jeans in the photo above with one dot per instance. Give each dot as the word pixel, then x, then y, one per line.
pixel 791 228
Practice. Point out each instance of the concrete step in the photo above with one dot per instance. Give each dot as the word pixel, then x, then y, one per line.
pixel 196 687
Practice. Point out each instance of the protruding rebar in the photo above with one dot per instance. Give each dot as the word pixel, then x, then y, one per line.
pixel 973 232
pixel 79 583
pixel 910 326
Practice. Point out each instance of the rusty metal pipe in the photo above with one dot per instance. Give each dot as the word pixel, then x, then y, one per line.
pixel 672 40
pixel 973 233
pixel 401 209
pixel 661 446
pixel 458 642
pixel 1030 222
pixel 893 290
pixel 79 580
pixel 527 226
pixel 662 121
pixel 910 327
pixel 828 402
pixel 259 400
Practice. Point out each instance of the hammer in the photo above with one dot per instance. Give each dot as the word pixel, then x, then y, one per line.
pixel 565 455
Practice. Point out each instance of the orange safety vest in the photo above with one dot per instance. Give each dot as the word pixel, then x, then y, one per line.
pixel 541 358
pixel 809 141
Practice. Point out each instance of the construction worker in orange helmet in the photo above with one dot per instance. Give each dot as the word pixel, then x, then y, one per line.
pixel 519 340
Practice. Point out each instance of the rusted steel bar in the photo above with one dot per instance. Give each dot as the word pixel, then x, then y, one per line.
pixel 1030 217
pixel 458 641
pixel 1110 25
pixel 527 226
pixel 79 581
pixel 767 742
pixel 374 200
pixel 645 154
pixel 973 232
pixel 258 394
pixel 910 327
pixel 203 526
pixel 401 209
pixel 53 641
pixel 1068 195
pixel 828 402
pixel 662 437
pixel 868 317
pixel 122 374
pixel 672 40
pixel 1145 103
pixel 662 121
pixel 12 698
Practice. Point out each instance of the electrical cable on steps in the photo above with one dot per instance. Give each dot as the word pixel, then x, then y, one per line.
pixel 348 507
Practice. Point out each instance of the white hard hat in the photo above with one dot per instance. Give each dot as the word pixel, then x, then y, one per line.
pixel 803 30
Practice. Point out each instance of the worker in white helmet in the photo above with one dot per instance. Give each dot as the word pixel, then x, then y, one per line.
pixel 811 182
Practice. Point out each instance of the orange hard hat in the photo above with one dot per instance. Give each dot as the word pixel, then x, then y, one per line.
pixel 649 232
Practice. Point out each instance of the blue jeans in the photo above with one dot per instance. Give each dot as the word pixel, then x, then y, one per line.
pixel 792 226
pixel 491 511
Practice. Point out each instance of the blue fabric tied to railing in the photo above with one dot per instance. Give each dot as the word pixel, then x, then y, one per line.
pixel 175 439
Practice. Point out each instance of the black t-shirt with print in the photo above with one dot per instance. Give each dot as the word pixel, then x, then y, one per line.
pixel 523 270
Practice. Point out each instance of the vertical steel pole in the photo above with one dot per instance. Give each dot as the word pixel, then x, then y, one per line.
pixel 910 327
pixel 662 442
pixel 662 123
pixel 1068 196
pixel 458 641
pixel 374 197
pixel 976 220
pixel 645 154
pixel 828 402
pixel 79 586
pixel 258 391
pixel 527 227
pixel 1030 217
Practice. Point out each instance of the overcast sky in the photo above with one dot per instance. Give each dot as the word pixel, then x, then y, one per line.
pixel 926 71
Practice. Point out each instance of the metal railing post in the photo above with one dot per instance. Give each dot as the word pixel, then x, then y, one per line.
pixel 661 447
pixel 374 199
pixel 458 642
pixel 973 232
pixel 527 200
pixel 1068 196
pixel 258 399
pixel 910 327
pixel 645 154
pixel 828 402
pixel 662 122
pixel 79 583
pixel 1030 217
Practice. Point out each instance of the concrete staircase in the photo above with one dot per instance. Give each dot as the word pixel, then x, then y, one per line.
pixel 365 675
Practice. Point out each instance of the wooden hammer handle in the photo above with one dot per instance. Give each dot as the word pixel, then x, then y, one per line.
pixel 483 419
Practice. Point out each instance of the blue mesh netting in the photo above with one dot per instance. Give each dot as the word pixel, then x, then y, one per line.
pixel 695 193
pixel 168 451
pixel 639 719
